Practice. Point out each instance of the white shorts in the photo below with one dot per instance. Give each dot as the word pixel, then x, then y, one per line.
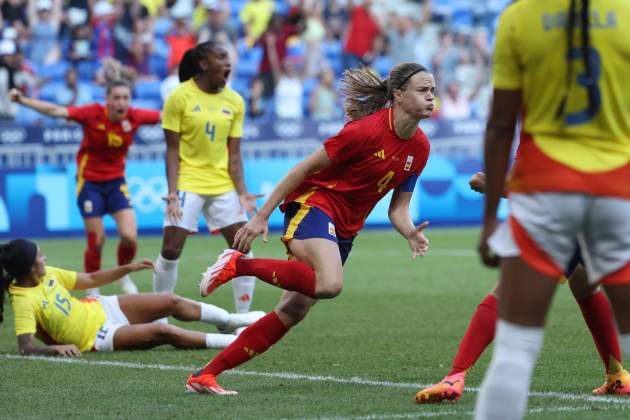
pixel 114 319
pixel 543 229
pixel 219 211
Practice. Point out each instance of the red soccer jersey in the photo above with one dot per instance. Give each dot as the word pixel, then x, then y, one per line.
pixel 369 159
pixel 105 143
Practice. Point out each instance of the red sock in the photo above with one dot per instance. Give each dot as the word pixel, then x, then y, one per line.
pixel 599 319
pixel 288 275
pixel 92 255
pixel 478 335
pixel 255 340
pixel 126 252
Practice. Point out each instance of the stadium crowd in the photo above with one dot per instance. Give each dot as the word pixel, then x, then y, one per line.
pixel 287 55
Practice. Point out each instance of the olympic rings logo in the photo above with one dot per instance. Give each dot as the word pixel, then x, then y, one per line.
pixel 146 194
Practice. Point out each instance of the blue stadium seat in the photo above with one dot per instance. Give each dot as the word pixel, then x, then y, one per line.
pixel 382 64
pixel 53 71
pixel 98 93
pixel 157 65
pixel 27 116
pixel 146 103
pixel 332 48
pixel 162 27
pixel 241 85
pixel 86 70
pixel 148 89
pixel 282 7
pixel 49 90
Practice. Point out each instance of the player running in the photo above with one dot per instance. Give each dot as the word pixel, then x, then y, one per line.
pixel 327 198
pixel 108 132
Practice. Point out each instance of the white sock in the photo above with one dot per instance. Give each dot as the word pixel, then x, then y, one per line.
pixel 624 340
pixel 92 292
pixel 503 393
pixel 127 285
pixel 244 290
pixel 219 341
pixel 165 275
pixel 213 314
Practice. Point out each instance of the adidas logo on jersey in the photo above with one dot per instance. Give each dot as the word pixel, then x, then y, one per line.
pixel 196 109
pixel 380 154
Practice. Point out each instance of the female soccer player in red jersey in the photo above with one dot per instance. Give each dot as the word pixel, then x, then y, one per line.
pixel 108 132
pixel 595 308
pixel 327 198
pixel 43 307
pixel 203 126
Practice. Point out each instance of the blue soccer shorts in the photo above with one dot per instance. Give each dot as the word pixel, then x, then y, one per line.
pixel 96 199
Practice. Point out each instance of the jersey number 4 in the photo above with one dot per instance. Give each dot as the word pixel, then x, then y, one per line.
pixel 210 130
pixel 383 182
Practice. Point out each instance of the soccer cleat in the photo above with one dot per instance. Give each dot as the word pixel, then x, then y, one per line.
pixel 220 272
pixel 450 388
pixel 236 321
pixel 616 383
pixel 206 384
pixel 128 286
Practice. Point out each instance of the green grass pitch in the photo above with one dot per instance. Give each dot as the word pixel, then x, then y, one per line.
pixel 362 355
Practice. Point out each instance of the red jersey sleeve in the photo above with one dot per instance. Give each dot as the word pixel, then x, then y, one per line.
pixel 346 144
pixel 83 113
pixel 145 116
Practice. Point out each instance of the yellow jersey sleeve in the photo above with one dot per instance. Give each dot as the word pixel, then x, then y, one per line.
pixel 66 278
pixel 173 112
pixel 236 130
pixel 506 70
pixel 24 314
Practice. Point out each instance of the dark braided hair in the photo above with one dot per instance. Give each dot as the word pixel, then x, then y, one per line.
pixel 366 93
pixel 588 81
pixel 189 65
pixel 16 259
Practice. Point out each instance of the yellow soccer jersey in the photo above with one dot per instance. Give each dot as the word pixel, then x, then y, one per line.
pixel 51 308
pixel 531 56
pixel 204 121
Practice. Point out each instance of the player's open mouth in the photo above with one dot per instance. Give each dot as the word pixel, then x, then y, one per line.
pixel 226 74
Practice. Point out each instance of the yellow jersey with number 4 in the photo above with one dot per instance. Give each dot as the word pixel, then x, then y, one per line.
pixel 205 122
pixel 50 308
pixel 568 148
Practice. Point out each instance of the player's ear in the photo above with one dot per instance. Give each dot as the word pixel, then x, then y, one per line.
pixel 397 94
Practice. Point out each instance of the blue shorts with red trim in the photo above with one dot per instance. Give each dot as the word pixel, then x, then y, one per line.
pixel 99 198
pixel 305 222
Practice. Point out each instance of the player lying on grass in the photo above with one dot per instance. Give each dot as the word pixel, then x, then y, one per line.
pixel 595 308
pixel 44 307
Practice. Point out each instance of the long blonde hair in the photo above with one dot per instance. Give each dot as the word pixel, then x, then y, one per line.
pixel 365 93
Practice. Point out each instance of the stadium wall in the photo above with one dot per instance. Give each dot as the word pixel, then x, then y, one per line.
pixel 38 170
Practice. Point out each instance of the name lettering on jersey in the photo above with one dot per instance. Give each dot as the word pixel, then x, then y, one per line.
pixel 126 126
pixel 114 140
pixel 408 163
pixel 197 108
pixel 331 229
pixel 551 21
pixel 380 154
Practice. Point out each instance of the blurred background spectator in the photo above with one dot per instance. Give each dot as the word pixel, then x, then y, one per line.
pixel 318 38
pixel 72 93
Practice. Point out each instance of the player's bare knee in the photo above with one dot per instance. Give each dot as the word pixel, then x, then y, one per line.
pixel 293 311
pixel 164 333
pixel 128 240
pixel 329 285
pixel 172 299
pixel 171 252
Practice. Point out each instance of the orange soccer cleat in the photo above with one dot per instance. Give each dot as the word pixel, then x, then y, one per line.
pixel 450 388
pixel 616 383
pixel 206 384
pixel 220 272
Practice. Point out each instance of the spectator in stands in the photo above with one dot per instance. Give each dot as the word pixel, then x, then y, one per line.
pixel 324 102
pixel 72 93
pixel 169 83
pixel 141 47
pixel 181 38
pixel 362 40
pixel 44 48
pixel 257 104
pixel 336 18
pixel 313 35
pixel 103 20
pixel 14 13
pixel 215 22
pixel 447 57
pixel 454 104
pixel 289 92
pixel 8 69
pixel 80 43
pixel 255 17
pixel 403 33
pixel 274 45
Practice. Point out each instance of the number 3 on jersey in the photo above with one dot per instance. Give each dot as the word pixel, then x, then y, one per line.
pixel 594 60
pixel 210 131
pixel 383 182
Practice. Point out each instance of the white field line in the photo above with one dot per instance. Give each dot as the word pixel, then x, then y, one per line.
pixel 425 414
pixel 314 378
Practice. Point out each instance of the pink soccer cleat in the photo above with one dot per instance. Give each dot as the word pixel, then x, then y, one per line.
pixel 206 384
pixel 616 384
pixel 220 272
pixel 450 388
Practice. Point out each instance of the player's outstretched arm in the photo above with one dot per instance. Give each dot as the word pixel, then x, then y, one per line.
pixel 43 107
pixel 244 237
pixel 102 277
pixel 401 220
pixel 27 347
